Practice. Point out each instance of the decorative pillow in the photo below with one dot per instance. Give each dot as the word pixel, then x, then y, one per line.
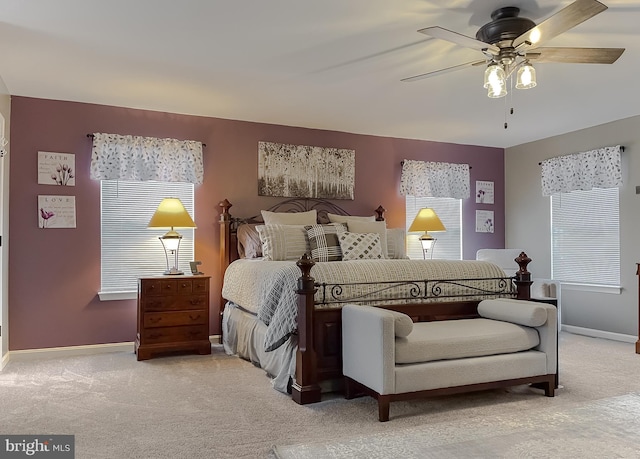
pixel 283 242
pixel 396 244
pixel 522 312
pixel 403 325
pixel 289 218
pixel 335 218
pixel 249 243
pixel 357 226
pixel 323 240
pixel 360 246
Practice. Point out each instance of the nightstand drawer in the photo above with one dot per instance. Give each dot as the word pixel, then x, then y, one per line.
pixel 164 303
pixel 166 319
pixel 175 334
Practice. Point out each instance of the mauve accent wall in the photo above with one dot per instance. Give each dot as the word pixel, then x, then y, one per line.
pixel 54 274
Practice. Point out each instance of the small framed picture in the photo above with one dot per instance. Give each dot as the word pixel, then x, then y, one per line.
pixel 56 168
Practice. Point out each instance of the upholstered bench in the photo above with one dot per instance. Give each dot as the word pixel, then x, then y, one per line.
pixel 389 357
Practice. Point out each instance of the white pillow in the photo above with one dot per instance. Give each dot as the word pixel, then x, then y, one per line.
pixel 360 246
pixel 289 218
pixel 283 242
pixel 380 228
pixel 403 325
pixel 335 218
pixel 396 244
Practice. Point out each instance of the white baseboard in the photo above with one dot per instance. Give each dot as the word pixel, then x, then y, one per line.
pixel 56 352
pixel 4 360
pixel 599 334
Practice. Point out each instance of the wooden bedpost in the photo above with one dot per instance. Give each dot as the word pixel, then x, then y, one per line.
pixel 305 388
pixel 225 243
pixel 380 213
pixel 523 277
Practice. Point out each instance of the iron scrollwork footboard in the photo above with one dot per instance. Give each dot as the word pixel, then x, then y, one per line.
pixel 415 291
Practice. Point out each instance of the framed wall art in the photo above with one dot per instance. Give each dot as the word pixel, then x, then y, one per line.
pixel 305 172
pixel 56 211
pixel 56 168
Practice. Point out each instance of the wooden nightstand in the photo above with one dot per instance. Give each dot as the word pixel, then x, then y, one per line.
pixel 173 315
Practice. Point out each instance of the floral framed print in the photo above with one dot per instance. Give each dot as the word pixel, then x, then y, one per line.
pixel 56 211
pixel 56 168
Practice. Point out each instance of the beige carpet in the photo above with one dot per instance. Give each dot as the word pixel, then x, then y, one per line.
pixel 608 428
pixel 222 407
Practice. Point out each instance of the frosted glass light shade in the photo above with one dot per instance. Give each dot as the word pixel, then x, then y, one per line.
pixel 526 77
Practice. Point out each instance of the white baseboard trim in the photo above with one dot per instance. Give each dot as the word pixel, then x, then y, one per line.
pixel 4 361
pixel 599 334
pixel 67 351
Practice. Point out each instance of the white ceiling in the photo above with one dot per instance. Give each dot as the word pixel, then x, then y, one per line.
pixel 329 64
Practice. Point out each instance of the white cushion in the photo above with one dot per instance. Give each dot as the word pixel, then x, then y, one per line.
pixel 521 312
pixel 335 218
pixel 403 325
pixel 283 242
pixel 289 218
pixel 396 244
pixel 357 226
pixel 456 339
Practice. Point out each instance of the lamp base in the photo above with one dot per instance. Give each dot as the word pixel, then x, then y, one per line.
pixel 173 272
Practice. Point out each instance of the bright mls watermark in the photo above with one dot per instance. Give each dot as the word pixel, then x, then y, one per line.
pixel 37 446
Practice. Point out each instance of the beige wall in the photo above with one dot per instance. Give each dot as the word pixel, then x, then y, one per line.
pixel 528 221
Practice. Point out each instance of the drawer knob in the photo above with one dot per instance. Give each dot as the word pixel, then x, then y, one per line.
pixel 194 317
pixel 155 319
pixel 195 301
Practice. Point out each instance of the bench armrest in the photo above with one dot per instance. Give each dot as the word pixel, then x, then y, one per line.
pixel 368 346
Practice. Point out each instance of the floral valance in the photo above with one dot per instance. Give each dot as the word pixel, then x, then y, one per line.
pixel 126 157
pixel 599 168
pixel 434 179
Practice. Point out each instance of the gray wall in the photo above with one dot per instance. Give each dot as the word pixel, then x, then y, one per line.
pixel 528 221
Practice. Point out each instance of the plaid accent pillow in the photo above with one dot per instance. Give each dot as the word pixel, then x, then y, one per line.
pixel 360 246
pixel 323 240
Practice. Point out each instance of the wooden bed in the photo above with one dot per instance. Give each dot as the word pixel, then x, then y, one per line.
pixel 318 356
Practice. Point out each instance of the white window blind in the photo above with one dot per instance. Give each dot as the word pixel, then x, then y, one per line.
pixel 130 249
pixel 448 244
pixel 585 237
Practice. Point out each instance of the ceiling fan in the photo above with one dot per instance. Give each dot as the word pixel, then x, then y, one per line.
pixel 510 43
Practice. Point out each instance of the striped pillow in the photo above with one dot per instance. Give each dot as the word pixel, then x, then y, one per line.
pixel 323 240
pixel 283 242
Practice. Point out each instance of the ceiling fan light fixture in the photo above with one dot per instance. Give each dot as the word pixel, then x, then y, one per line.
pixel 494 75
pixel 495 81
pixel 526 77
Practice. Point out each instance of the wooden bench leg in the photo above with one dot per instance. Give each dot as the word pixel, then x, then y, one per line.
pixel 383 407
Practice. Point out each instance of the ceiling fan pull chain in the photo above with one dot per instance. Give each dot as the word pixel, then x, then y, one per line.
pixel 505 113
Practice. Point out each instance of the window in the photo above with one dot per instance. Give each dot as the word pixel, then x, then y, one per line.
pixel 585 237
pixel 129 249
pixel 448 243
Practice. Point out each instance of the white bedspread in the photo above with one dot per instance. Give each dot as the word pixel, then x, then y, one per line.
pixel 267 288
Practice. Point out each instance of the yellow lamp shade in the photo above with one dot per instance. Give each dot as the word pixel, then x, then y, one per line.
pixel 171 214
pixel 426 220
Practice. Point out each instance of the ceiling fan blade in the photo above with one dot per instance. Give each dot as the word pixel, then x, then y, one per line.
pixel 442 71
pixel 565 19
pixel 576 55
pixel 459 39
